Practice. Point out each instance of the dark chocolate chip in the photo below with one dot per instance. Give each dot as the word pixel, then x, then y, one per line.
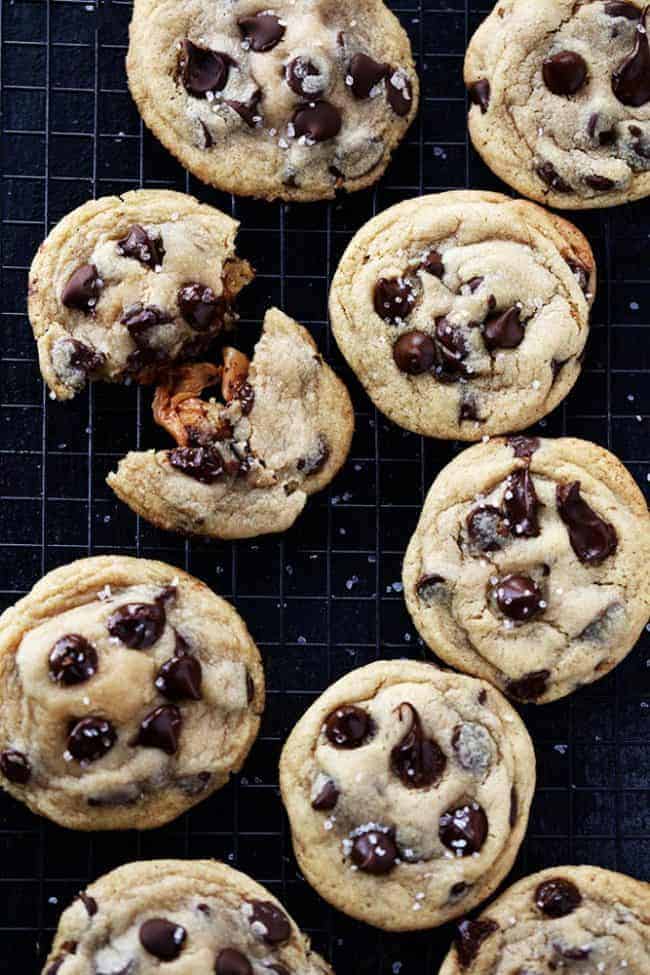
pixel 399 91
pixel 479 94
pixel 204 464
pixel 482 696
pixel 207 135
pixel 366 74
pixel 428 587
pixel 137 625
pixel 520 504
pixel 140 318
pixel 374 852
pixel 179 679
pixel 202 70
pixel 486 529
pixel 418 761
pixel 474 284
pixel 451 350
pixel 468 409
pixel 470 935
pixel 316 460
pixel 232 962
pixel 143 248
pixel 163 939
pixel 327 797
pixel 601 183
pixel 348 726
pixel 605 137
pixel 317 121
pixel 530 687
pixel 631 79
pixel 592 538
pixel 89 739
pixel 15 766
pixel 200 307
pixel 88 902
pixel 557 897
pixel 620 8
pixel 250 688
pixel 262 31
pixel 414 353
pixel 393 299
pixel 518 597
pixel 296 73
pixel 82 288
pixel 570 952
pixel 464 829
pixel 523 447
pixel 160 729
pixel 72 660
pixel 505 330
pixel 82 357
pixel 514 807
pixel 549 175
pixel 432 264
pixel 273 919
pixel 250 110
pixel 564 73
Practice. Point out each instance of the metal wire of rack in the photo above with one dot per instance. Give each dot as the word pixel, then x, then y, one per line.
pixel 325 597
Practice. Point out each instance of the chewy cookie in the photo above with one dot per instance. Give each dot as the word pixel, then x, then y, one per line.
pixel 194 917
pixel 567 919
pixel 530 565
pixel 128 693
pixel 408 790
pixel 466 313
pixel 274 98
pixel 560 99
pixel 244 464
pixel 124 285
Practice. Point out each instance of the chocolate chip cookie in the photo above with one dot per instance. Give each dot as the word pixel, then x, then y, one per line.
pixel 202 916
pixel 245 462
pixel 408 790
pixel 282 98
pixel 560 99
pixel 530 565
pixel 125 285
pixel 566 919
pixel 464 314
pixel 128 693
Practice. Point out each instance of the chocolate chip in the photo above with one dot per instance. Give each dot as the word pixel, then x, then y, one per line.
pixel 374 851
pixel 393 299
pixel 504 331
pixel 232 962
pixel 557 897
pixel 262 31
pixel 179 679
pixel 571 953
pixel 250 688
pixel 518 597
pixel 250 110
pixel 472 747
pixel 631 79
pixel 193 785
pixel 301 75
pixel 15 766
pixel 432 264
pixel 456 891
pixel 119 797
pixel 414 353
pixel 204 464
pixel 328 796
pixel 564 73
pixel 140 318
pixel 200 307
pixel 160 729
pixel 400 92
pixel 479 94
pixel 601 183
pixel 451 350
pixel 348 726
pixel 273 920
pixel 520 504
pixel 428 588
pixel 72 660
pixel 366 74
pixel 82 288
pixel 468 409
pixel 143 248
pixel 482 696
pixel 530 687
pixel 514 807
pixel 163 939
pixel 470 935
pixel 89 739
pixel 88 902
pixel 82 357
pixel 620 8
pixel 418 761
pixel 316 460
pixel 137 625
pixel 317 121
pixel 207 135
pixel 486 529
pixel 592 538
pixel 549 175
pixel 202 70
pixel 464 829
pixel 524 447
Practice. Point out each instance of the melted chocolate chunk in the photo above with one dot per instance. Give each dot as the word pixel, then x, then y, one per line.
pixel 451 350
pixel 82 288
pixel 514 807
pixel 160 729
pixel 202 71
pixel 232 962
pixel 414 353
pixel 15 766
pixel 393 299
pixel 374 852
pixel 428 588
pixel 143 248
pixel 524 447
pixel 316 460
pixel 518 597
pixel 592 538
pixel 88 902
pixel 474 284
pixel 82 357
pixel 549 175
pixel 262 31
pixel 249 111
pixel 470 935
pixel 520 504
pixel 400 92
pixel 297 74
pixel 89 739
pixel 432 264
pixel 418 761
pixel 348 726
pixel 200 307
pixel 140 318
pixel 366 74
pixel 327 797
pixel 631 79
pixel 204 464
pixel 600 183
pixel 72 660
pixel 620 8
pixel 317 121
pixel 468 409
pixel 163 939
pixel 570 952
pixel 504 331
pixel 137 625
pixel 179 679
pixel 276 922
pixel 464 829
pixel 486 529
pixel 557 897
pixel 564 73
pixel 479 94
pixel 530 687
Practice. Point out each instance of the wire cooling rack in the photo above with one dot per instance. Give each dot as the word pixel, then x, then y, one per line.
pixel 325 597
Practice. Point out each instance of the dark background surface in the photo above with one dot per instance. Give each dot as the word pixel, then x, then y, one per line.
pixel 325 597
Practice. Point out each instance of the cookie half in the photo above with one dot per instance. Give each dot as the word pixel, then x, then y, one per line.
pixel 568 919
pixel 530 565
pixel 464 314
pixel 286 98
pixel 197 916
pixel 246 462
pixel 129 691
pixel 560 99
pixel 124 285
pixel 408 790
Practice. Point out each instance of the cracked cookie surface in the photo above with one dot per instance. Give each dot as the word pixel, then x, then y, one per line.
pixel 190 917
pixel 570 919
pixel 246 463
pixel 408 790
pixel 560 99
pixel 530 565
pixel 466 313
pixel 122 286
pixel 129 690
